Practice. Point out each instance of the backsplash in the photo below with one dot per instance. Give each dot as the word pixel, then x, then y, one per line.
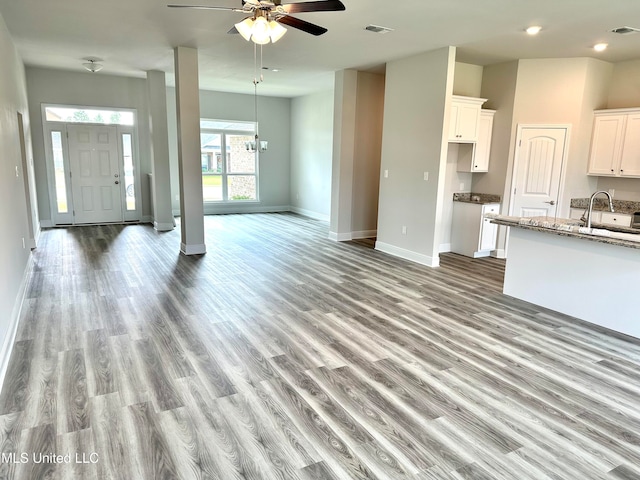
pixel 476 197
pixel 601 203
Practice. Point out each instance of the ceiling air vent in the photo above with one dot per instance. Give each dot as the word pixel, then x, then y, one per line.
pixel 625 30
pixel 378 29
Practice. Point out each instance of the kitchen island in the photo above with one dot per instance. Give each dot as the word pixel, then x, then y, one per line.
pixel 593 275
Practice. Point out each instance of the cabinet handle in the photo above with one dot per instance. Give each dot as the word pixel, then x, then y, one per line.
pixel 612 169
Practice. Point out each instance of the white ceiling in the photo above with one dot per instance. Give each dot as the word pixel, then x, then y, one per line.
pixel 132 36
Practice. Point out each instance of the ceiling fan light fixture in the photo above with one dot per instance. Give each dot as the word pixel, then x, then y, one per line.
pixel 245 28
pixel 276 31
pixel 261 31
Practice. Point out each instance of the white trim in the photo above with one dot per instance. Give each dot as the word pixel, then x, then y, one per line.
pixel 499 253
pixel 242 208
pixel 364 234
pixel 310 214
pixel 147 219
pixel 445 248
pixel 163 227
pixel 408 255
pixel 9 339
pixel 46 224
pixel 176 213
pixel 200 249
pixel 340 237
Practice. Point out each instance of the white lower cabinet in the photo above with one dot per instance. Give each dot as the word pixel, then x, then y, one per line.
pixel 472 234
pixel 603 218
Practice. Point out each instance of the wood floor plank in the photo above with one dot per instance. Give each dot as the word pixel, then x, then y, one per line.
pixel 73 400
pixel 281 354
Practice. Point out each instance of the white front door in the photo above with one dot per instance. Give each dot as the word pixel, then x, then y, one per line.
pixel 538 168
pixel 95 174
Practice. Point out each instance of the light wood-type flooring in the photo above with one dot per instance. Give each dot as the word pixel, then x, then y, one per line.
pixel 282 355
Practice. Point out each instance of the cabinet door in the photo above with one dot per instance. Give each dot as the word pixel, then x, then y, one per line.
pixel 468 119
pixel 453 122
pixel 621 220
pixel 483 146
pixel 489 231
pixel 630 163
pixel 606 145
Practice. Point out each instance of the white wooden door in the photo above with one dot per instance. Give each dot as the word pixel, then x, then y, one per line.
pixel 538 167
pixel 95 174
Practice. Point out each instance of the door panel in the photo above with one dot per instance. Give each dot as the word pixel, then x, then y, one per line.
pixel 95 174
pixel 538 168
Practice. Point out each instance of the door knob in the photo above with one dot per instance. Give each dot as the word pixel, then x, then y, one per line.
pixel 552 202
pixel 116 182
pixel 116 175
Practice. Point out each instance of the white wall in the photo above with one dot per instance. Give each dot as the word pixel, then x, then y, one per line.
pixel 311 150
pixel 14 257
pixel 467 80
pixel 414 141
pixel 86 89
pixel 274 115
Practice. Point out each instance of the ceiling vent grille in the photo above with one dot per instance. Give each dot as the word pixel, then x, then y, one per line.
pixel 625 30
pixel 378 29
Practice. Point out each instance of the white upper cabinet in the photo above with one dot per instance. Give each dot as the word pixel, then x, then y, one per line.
pixel 630 160
pixel 615 143
pixel 477 158
pixel 465 119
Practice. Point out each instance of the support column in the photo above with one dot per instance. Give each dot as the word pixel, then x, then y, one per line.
pixel 161 191
pixel 188 115
pixel 344 132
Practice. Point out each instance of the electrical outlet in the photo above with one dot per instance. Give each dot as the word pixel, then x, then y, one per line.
pixel 386 174
pixel 23 244
pixel 426 176
pixel 404 230
pixel 17 174
pixel 612 192
pixel 178 198
pixel 462 187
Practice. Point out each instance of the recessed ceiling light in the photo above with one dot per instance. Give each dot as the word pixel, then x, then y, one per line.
pixel 533 30
pixel 600 47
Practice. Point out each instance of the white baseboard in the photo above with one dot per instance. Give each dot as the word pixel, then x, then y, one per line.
pixel 147 219
pixel 364 234
pixel 310 214
pixel 408 254
pixel 340 237
pixel 445 247
pixel 500 253
pixel 163 227
pixel 239 208
pixel 176 213
pixel 46 224
pixel 193 249
pixel 9 339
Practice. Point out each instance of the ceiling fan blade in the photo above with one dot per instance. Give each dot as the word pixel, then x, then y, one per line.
pixel 318 6
pixel 302 25
pixel 207 7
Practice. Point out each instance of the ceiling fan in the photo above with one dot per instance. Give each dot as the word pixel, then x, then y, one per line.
pixel 269 11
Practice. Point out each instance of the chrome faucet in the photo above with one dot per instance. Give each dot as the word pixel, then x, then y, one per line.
pixel 589 210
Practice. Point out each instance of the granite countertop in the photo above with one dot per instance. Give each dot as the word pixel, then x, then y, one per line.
pixel 568 228
pixel 602 204
pixel 481 198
